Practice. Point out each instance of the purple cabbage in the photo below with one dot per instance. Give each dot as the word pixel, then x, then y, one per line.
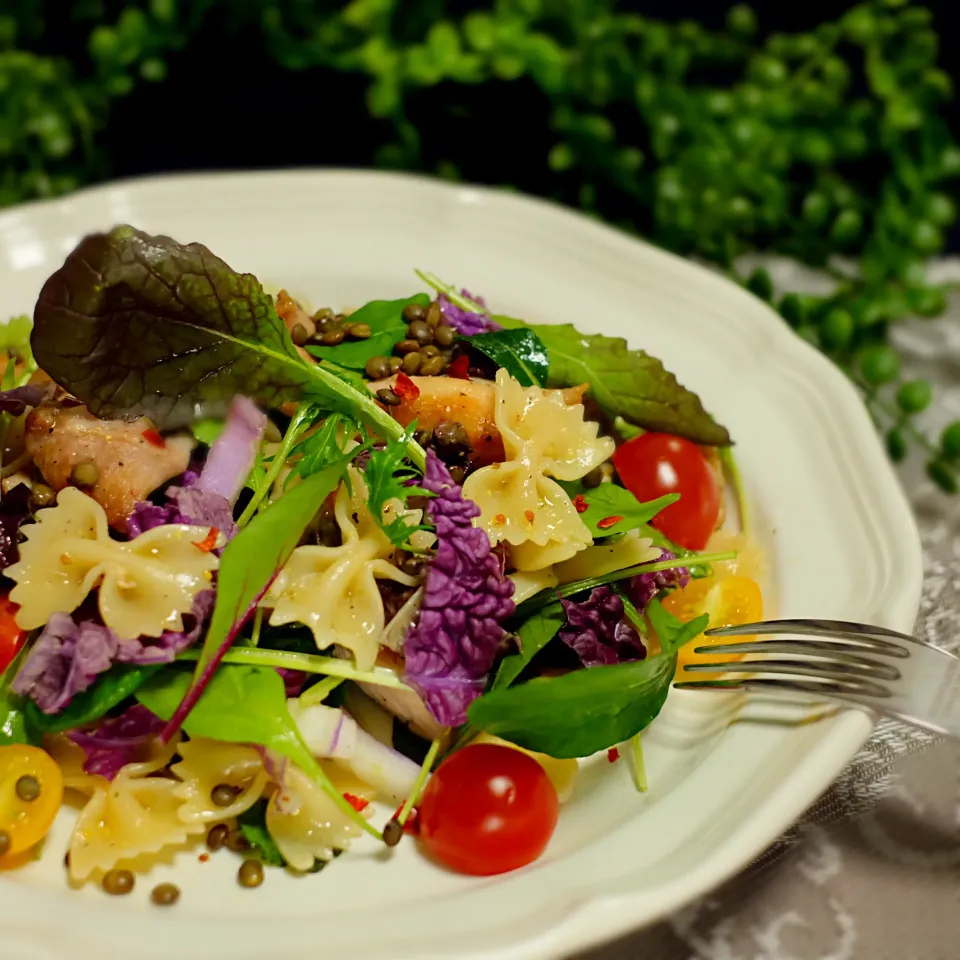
pixel 17 400
pixel 114 743
pixel 70 654
pixel 646 586
pixel 451 649
pixel 184 505
pixel 597 631
pixel 14 509
pixel 467 324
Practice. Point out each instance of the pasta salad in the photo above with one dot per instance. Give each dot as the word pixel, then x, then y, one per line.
pixel 268 568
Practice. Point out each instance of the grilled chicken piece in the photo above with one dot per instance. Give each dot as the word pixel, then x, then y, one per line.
pixel 130 457
pixel 468 402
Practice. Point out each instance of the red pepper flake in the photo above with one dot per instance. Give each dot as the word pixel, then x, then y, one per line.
pixel 607 522
pixel 580 504
pixel 500 519
pixel 459 368
pixel 613 755
pixel 151 436
pixel 204 857
pixel 412 826
pixel 209 541
pixel 405 388
pixel 529 515
pixel 358 803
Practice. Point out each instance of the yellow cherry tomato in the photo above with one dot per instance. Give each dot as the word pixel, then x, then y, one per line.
pixel 31 791
pixel 728 601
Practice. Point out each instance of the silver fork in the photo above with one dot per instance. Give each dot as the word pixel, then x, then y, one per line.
pixel 885 671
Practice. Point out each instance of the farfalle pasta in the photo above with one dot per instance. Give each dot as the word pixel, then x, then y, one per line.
pixel 544 440
pixel 145 585
pixel 206 764
pixel 333 590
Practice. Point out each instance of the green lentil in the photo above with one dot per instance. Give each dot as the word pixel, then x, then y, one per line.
pixel 392 833
pixel 250 873
pixel 377 368
pixel 236 841
pixel 359 331
pixel 406 346
pixel 85 474
pixel 165 894
pixel 395 363
pixel 594 478
pixel 27 788
pixel 223 795
pixel 445 335
pixel 118 882
pixel 217 836
pixel 387 396
pixel 42 495
pixel 421 332
pixel 411 363
pixel 433 366
pixel 413 311
pixel 299 334
pixel 332 337
pixel 434 314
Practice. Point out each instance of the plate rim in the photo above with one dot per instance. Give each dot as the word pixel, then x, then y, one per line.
pixel 602 918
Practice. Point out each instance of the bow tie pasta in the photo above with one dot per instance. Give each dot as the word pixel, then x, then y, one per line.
pixel 543 438
pixel 333 590
pixel 145 585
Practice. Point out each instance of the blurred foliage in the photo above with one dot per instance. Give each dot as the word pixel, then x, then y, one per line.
pixel 826 146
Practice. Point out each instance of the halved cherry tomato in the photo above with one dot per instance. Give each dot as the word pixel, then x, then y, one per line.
pixel 11 636
pixel 728 601
pixel 488 809
pixel 27 812
pixel 655 464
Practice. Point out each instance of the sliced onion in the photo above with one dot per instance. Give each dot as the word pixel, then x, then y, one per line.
pixel 234 452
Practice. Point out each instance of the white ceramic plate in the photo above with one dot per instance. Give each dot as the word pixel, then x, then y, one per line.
pixel 840 536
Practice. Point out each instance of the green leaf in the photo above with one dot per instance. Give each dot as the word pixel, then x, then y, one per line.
pixel 385 319
pixel 13 721
pixel 324 447
pixel 239 705
pixel 253 825
pixel 15 337
pixel 519 352
pixel 579 713
pixel 138 325
pixel 610 500
pixel 252 559
pixel 387 478
pixel 532 636
pixel 108 690
pixel 625 383
pixel 672 632
pixel 207 431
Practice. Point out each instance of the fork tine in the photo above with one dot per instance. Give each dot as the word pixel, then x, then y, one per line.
pixel 828 669
pixel 849 691
pixel 878 639
pixel 832 649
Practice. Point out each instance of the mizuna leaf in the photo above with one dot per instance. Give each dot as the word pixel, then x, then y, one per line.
pixel 624 382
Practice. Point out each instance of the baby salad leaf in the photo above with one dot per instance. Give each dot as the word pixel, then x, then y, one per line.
pixel 138 325
pixel 532 636
pixel 13 721
pixel 519 352
pixel 387 326
pixel 626 383
pixel 248 565
pixel 579 713
pixel 672 632
pixel 325 446
pixel 242 705
pixel 108 690
pixel 609 500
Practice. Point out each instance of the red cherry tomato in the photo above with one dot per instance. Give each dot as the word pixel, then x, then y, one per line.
pixel 654 464
pixel 11 636
pixel 488 809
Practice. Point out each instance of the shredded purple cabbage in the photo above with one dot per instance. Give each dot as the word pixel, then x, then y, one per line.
pixel 597 631
pixel 467 324
pixel 17 400
pixel 645 586
pixel 69 654
pixel 451 649
pixel 113 744
pixel 14 509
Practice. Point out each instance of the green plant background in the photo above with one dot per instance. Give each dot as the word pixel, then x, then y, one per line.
pixel 829 146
